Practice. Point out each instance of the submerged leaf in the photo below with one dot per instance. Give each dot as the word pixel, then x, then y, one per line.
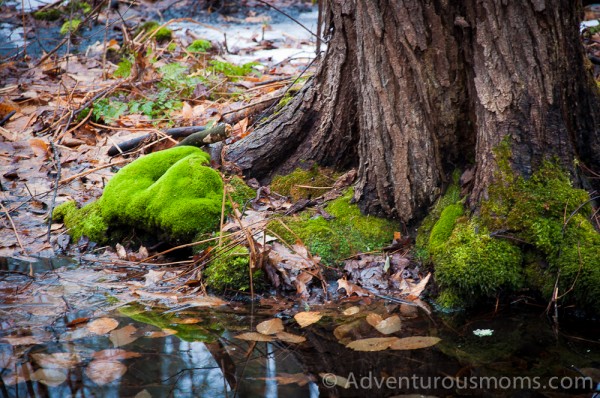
pixel 102 325
pixel 270 326
pixel 307 318
pixel 103 372
pixel 254 336
pixel 50 377
pixel 415 342
pixel 290 337
pixel 372 344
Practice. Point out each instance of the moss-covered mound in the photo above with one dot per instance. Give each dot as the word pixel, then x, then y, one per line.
pixel 171 192
pixel 305 184
pixel 530 233
pixel 347 233
pixel 230 271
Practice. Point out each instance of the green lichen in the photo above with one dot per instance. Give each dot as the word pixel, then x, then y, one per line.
pixel 348 233
pixel 171 192
pixel 319 180
pixel 87 221
pixel 230 271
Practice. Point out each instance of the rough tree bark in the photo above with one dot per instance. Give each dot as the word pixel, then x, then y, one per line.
pixel 410 89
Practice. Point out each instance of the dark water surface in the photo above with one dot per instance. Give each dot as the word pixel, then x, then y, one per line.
pixel 47 347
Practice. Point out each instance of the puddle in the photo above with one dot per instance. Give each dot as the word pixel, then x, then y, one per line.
pixel 86 332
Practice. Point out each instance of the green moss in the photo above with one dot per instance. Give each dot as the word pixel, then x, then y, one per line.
pixel 171 191
pixel 163 34
pixel 240 192
pixel 442 230
pixel 70 26
pixel 348 233
pixel 229 271
pixel 51 14
pixel 199 46
pixel 474 265
pixel 87 221
pixel 318 179
pixel 124 68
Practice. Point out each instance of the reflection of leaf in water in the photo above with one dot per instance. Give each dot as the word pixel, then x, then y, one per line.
pixel 58 360
pixel 103 372
pixel 351 311
pixel 114 354
pixel 372 344
pixel 102 325
pixel 50 377
pixel 270 326
pixel 290 337
pixel 254 336
pixel 160 333
pixel 21 340
pixel 389 325
pixel 123 336
pixel 415 342
pixel 307 318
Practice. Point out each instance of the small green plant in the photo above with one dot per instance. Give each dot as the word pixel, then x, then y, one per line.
pixel 70 26
pixel 231 70
pixel 172 47
pixel 108 110
pixel 199 46
pixel 124 68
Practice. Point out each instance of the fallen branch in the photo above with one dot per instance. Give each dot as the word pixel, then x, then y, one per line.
pixel 177 132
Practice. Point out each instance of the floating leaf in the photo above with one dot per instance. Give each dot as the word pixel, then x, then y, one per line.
pixel 204 301
pixel 50 377
pixel 414 342
pixel 160 333
pixel 290 337
pixel 123 336
pixel 372 344
pixel 270 326
pixel 102 325
pixel 389 325
pixel 351 311
pixel 307 318
pixel 58 360
pixel 103 372
pixel 254 336
pixel 114 354
pixel 374 319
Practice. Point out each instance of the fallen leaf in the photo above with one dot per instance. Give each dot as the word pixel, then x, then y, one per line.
pixel 123 336
pixel 153 278
pixel 307 318
pixel 58 360
pixel 102 325
pixel 416 290
pixel 161 333
pixel 50 377
pixel 40 147
pixel 186 321
pixel 389 325
pixel 342 332
pixel 372 344
pixel 23 340
pixel 114 354
pixel 374 319
pixel 77 321
pixel 254 336
pixel 121 252
pixel 204 301
pixel 351 288
pixel 414 342
pixel 351 311
pixel 290 337
pixel 103 372
pixel 270 326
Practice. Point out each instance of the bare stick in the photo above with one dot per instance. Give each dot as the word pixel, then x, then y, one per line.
pixel 13 226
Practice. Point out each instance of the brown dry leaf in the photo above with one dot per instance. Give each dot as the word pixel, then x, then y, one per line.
pixel 204 301
pixel 389 325
pixel 58 360
pixel 351 311
pixel 351 288
pixel 187 321
pixel 307 318
pixel 162 333
pixel 240 128
pixel 342 332
pixel 416 290
pixel 50 377
pixel 121 252
pixel 414 342
pixel 77 321
pixel 123 336
pixel 290 337
pixel 103 372
pixel 114 354
pixel 102 325
pixel 372 344
pixel 270 326
pixel 153 278
pixel 40 147
pixel 374 319
pixel 187 112
pixel 22 340
pixel 254 336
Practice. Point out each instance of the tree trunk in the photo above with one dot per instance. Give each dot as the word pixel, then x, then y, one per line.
pixel 408 90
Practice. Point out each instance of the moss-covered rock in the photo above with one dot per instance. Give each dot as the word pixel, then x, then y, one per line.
pixel 87 221
pixel 171 191
pixel 240 192
pixel 305 184
pixel 348 233
pixel 230 271
pixel 51 14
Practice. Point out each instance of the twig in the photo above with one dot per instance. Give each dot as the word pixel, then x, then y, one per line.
pixel 56 184
pixel 84 173
pixel 292 18
pixel 13 226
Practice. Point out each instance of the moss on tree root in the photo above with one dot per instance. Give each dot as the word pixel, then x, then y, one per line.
pixel 532 232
